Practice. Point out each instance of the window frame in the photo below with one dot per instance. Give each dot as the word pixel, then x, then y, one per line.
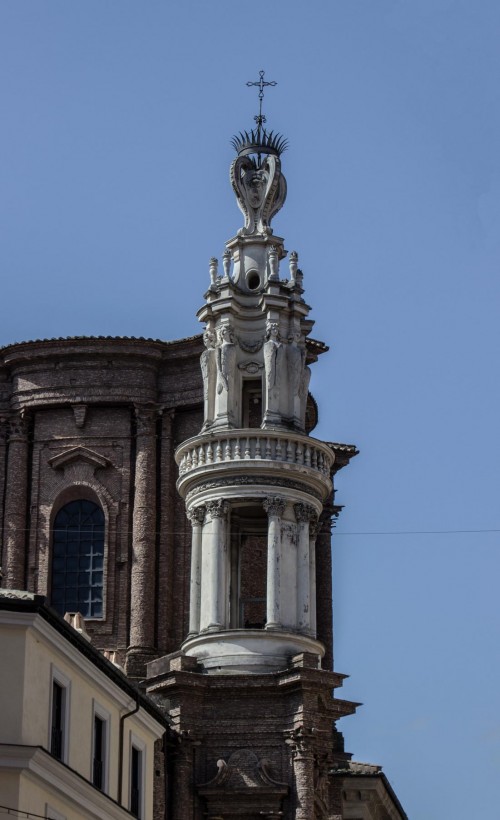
pixel 140 747
pixel 67 499
pixel 58 678
pixel 103 715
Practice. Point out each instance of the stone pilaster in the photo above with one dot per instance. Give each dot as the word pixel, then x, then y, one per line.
pixel 304 513
pixel 214 593
pixel 303 769
pixel 197 516
pixel 16 501
pixel 183 793
pixel 3 463
pixel 142 587
pixel 275 507
pixel 166 536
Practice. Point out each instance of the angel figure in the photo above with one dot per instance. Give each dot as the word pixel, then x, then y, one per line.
pixel 226 353
pixel 208 371
pixel 273 350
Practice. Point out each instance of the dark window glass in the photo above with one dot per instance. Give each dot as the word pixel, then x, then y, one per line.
pixel 99 738
pixel 135 782
pixel 57 728
pixel 78 556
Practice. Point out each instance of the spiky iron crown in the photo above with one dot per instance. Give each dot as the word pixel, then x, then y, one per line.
pixel 259 141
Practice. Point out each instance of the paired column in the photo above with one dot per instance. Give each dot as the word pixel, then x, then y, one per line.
pixel 214 580
pixel 313 532
pixel 275 507
pixel 197 516
pixel 304 513
pixel 142 594
pixel 16 495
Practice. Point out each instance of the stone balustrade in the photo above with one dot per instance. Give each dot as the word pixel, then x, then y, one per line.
pixel 254 446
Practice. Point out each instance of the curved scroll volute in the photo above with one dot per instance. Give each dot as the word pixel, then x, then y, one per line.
pixel 260 190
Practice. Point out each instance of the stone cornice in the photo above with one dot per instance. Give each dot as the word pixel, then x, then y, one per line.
pixel 38 765
pixel 86 658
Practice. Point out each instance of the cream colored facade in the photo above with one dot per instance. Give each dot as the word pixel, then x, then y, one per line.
pixel 37 651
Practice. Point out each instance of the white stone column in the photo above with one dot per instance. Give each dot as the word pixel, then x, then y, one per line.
pixel 303 514
pixel 275 507
pixel 313 532
pixel 214 568
pixel 197 516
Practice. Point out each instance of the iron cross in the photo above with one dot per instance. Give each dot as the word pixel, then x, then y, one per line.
pixel 261 84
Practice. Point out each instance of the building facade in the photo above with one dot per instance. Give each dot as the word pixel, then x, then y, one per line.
pixel 78 741
pixel 173 494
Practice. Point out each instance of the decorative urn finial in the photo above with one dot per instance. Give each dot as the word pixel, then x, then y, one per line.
pixel 256 176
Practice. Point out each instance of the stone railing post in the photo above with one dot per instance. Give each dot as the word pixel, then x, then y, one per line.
pixel 16 501
pixel 197 516
pixel 275 507
pixel 142 591
pixel 304 513
pixel 214 568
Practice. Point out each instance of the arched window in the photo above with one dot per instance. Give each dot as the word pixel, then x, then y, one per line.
pixel 77 559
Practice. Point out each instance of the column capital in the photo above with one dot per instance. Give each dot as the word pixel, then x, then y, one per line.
pixel 301 742
pixel 304 512
pixel 19 426
pixel 196 514
pixel 4 427
pixel 217 509
pixel 274 505
pixel 145 419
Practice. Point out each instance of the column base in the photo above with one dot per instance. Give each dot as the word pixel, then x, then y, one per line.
pixel 137 658
pixel 244 651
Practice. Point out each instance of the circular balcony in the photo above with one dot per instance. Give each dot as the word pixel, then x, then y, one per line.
pixel 264 454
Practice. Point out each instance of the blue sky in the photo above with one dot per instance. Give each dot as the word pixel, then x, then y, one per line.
pixel 114 194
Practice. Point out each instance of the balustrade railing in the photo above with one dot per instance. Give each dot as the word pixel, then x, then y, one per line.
pixel 255 445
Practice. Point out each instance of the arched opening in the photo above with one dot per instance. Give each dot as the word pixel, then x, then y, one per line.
pixel 78 559
pixel 252 403
pixel 248 567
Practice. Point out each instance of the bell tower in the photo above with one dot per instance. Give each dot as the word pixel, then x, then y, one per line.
pixel 250 690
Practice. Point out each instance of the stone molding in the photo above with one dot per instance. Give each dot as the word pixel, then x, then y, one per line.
pixel 251 481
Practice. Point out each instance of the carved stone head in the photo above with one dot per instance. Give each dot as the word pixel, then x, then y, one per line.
pixel 209 338
pixel 226 335
pixel 272 331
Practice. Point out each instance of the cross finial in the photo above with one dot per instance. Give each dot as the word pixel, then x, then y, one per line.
pixel 261 83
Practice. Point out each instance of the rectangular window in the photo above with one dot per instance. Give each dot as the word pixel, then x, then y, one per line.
pixel 136 782
pixel 99 761
pixel 58 720
pixel 60 691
